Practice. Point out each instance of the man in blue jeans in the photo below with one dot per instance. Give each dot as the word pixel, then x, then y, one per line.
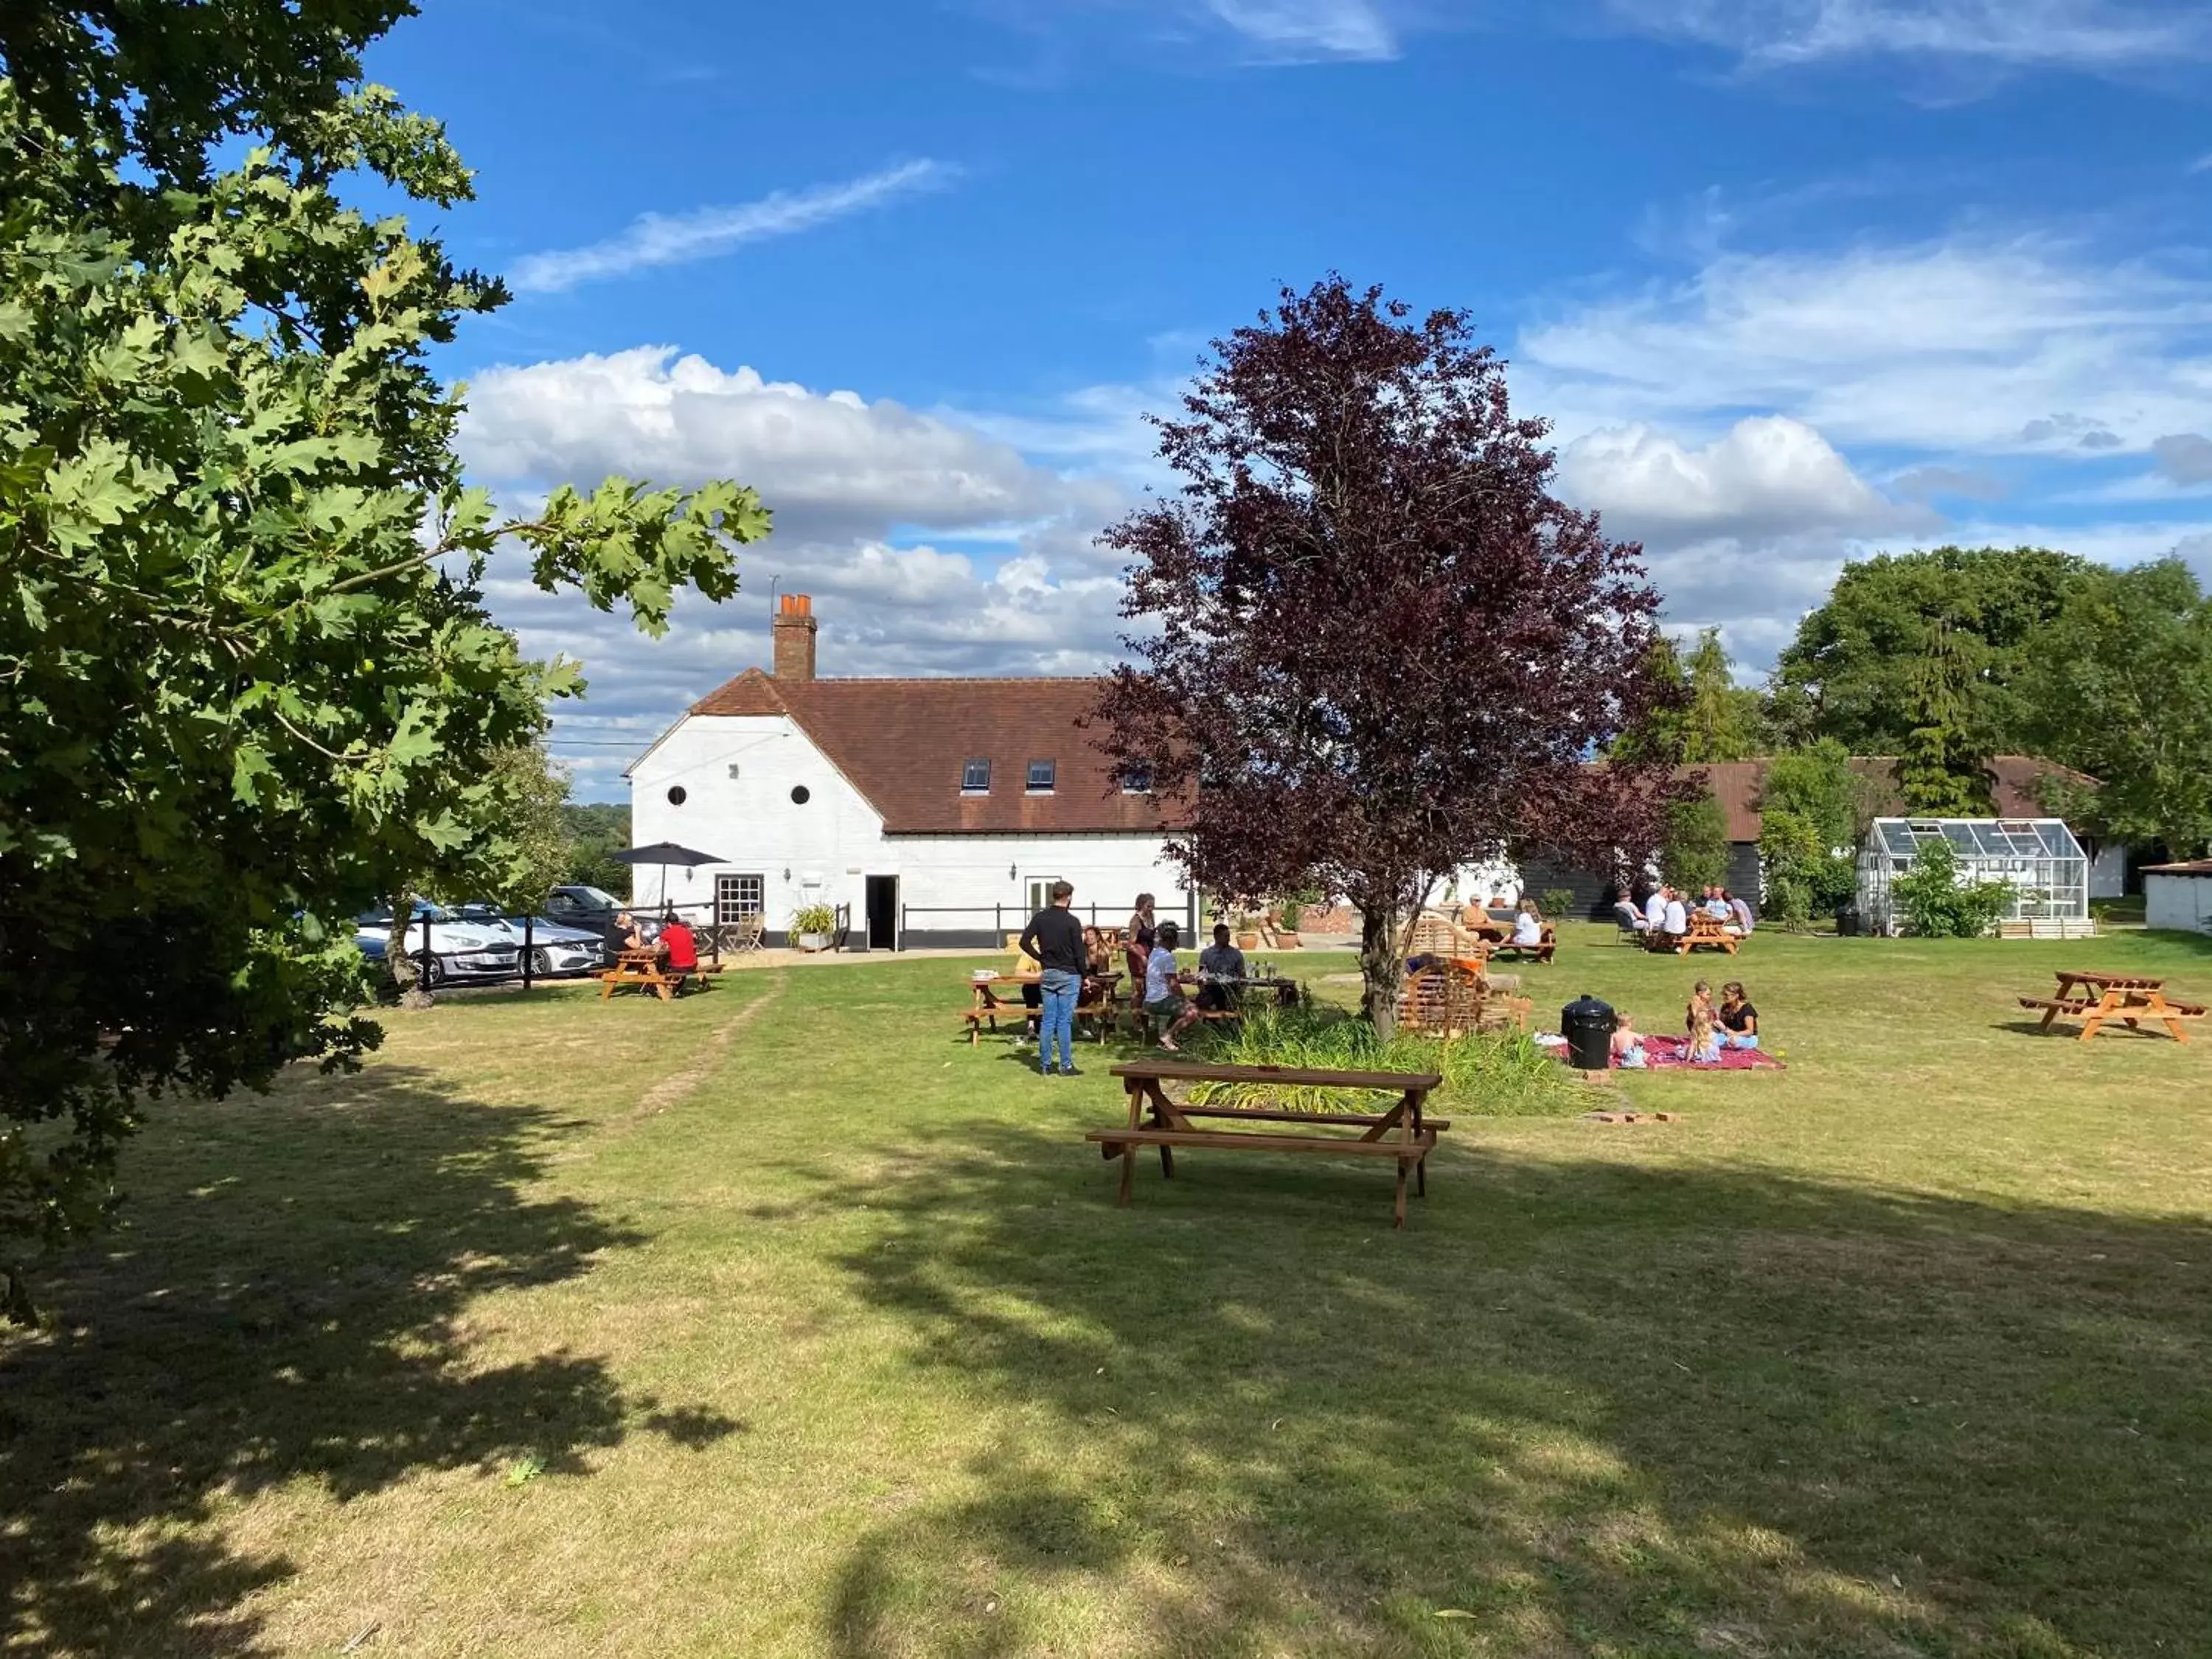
pixel 1053 939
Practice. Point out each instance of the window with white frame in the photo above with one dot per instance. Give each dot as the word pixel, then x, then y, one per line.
pixel 1041 774
pixel 737 898
pixel 1040 892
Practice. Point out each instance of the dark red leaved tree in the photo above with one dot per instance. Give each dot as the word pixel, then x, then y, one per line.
pixel 1382 651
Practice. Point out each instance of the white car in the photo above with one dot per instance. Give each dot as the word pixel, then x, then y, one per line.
pixel 461 952
pixel 554 947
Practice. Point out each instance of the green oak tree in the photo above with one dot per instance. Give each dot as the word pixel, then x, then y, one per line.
pixel 248 680
pixel 2121 689
pixel 1694 852
pixel 1852 671
pixel 1813 809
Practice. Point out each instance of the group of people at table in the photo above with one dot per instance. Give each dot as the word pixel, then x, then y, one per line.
pixel 1068 954
pixel 1667 911
pixel 674 946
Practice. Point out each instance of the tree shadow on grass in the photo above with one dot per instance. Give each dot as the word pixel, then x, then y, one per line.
pixel 287 1301
pixel 1578 1407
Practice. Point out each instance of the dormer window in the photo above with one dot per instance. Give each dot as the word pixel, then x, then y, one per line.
pixel 1136 779
pixel 1041 776
pixel 975 777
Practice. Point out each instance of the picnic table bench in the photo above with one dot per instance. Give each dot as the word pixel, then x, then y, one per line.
pixel 643 970
pixel 1400 1133
pixel 1706 932
pixel 1540 952
pixel 2097 999
pixel 1094 1002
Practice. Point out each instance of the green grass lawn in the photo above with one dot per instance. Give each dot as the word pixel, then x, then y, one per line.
pixel 779 1321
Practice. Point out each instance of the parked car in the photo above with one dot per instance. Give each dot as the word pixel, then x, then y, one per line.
pixel 460 951
pixel 592 908
pixel 555 948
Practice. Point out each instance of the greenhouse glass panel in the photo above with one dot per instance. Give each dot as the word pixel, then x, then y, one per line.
pixel 2038 858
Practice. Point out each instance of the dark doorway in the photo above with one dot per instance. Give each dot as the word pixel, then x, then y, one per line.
pixel 883 913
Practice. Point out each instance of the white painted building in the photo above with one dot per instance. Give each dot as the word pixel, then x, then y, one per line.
pixel 927 811
pixel 2178 896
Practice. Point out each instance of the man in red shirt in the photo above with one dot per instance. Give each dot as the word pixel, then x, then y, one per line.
pixel 679 951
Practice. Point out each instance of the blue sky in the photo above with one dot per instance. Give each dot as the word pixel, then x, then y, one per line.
pixel 1797 280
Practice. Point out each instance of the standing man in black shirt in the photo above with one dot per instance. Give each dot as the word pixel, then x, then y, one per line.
pixel 1053 939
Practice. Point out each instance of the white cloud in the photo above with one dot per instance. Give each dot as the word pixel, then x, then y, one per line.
pixel 2090 34
pixel 1957 345
pixel 655 239
pixel 930 547
pixel 832 464
pixel 1304 29
pixel 1767 476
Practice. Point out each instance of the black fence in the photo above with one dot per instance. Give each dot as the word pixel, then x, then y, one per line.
pixel 978 926
pixel 709 934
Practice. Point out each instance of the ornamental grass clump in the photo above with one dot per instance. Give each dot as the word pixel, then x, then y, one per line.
pixel 1489 1074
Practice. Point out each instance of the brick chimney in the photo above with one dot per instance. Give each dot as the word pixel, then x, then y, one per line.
pixel 794 632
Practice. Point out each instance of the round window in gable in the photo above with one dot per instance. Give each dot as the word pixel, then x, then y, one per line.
pixel 676 795
pixel 800 795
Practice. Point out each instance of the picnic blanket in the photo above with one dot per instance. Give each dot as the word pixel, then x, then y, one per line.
pixel 1660 1053
pixel 1664 1053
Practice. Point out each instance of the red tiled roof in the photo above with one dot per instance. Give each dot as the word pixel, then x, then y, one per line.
pixel 2014 787
pixel 903 743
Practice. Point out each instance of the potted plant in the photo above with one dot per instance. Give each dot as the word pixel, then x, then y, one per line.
pixel 1247 930
pixel 1287 924
pixel 813 924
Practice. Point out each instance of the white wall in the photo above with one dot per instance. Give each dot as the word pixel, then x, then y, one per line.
pixel 835 841
pixel 750 821
pixel 2182 902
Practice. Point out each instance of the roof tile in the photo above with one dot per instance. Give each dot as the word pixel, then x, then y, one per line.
pixel 902 743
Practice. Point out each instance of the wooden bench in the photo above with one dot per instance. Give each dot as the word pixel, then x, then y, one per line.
pixel 1400 1133
pixel 2130 1008
pixel 1533 952
pixel 1105 1014
pixel 1706 933
pixel 664 982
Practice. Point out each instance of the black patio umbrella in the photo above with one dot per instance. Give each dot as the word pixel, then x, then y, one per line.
pixel 664 853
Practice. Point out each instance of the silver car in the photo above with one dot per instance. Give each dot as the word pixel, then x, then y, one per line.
pixel 554 947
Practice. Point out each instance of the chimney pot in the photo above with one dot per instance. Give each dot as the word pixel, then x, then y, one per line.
pixel 793 633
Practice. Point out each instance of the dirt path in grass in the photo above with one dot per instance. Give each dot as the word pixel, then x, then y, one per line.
pixel 675 1086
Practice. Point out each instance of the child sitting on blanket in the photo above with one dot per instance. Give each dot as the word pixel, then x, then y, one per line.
pixel 1704 1040
pixel 1701 1001
pixel 1627 1046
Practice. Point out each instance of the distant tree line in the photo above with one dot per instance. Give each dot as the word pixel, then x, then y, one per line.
pixel 1941 659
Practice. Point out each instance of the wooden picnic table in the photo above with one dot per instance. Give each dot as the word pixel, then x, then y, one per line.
pixel 2095 999
pixel 986 1004
pixel 1707 932
pixel 1401 1134
pixel 643 968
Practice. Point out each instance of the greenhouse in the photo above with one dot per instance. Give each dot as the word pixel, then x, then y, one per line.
pixel 2038 858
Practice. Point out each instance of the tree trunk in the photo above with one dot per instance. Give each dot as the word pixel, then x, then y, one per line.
pixel 1380 966
pixel 406 971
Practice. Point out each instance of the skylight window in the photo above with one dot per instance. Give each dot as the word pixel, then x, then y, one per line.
pixel 975 777
pixel 1136 779
pixel 1041 776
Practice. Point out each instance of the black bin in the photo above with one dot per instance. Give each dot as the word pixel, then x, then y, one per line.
pixel 1587 1025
